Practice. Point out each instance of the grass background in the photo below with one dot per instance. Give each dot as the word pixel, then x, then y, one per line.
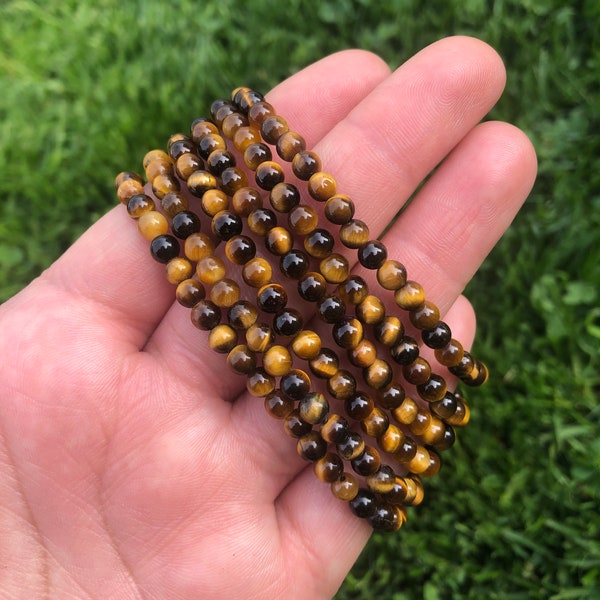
pixel 85 87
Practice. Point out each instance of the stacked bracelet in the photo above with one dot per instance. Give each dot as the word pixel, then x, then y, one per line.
pixel 265 339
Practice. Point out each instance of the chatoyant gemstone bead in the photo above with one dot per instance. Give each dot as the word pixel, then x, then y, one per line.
pixel 391 274
pixel 306 345
pixel 342 385
pixel 319 243
pixel 152 224
pixel 410 296
pixel 311 446
pixel 325 364
pixel 225 293
pixel 288 322
pixel 335 429
pixel 246 200
pixel 334 268
pixel 354 234
pixel 372 254
pixel 271 298
pixel 321 186
pixel 284 196
pixel 278 406
pixel 214 202
pixel 346 487
pixel 305 164
pixel 347 332
pixel 279 241
pixel 242 315
pixel 164 248
pixel 277 361
pixel 289 144
pixel 259 383
pixel 312 286
pixel 313 408
pixel 206 315
pixel 260 337
pixel 268 174
pixel 189 292
pixel 329 468
pixel 339 209
pixel 239 249
pixel 198 246
pixel 178 269
pixel 389 331
pixel 426 316
pixel 139 204
pixel 222 338
pixel 364 504
pixel 185 223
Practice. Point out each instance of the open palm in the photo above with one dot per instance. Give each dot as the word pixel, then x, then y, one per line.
pixel 133 464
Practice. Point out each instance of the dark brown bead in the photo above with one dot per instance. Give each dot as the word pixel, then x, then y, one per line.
pixel 225 293
pixel 421 423
pixel 461 415
pixel 312 286
pixel 271 298
pixel 407 450
pixel 303 219
pixel 189 292
pixel 289 144
pixel 397 495
pixel 269 174
pixel 372 255
pixel 246 200
pixel 272 128
pixel 205 315
pixel 417 372
pixel 311 446
pixel 435 464
pixel 445 407
pixel 209 143
pixel 239 249
pixel 359 406
pixel 277 361
pixel 347 332
pixel 325 365
pixel 426 316
pixel 375 424
pixel 345 488
pixel 256 154
pixel 321 186
pixel 259 383
pixel 173 203
pixel 257 272
pixel 245 98
pixel 258 112
pixel 410 296
pixel 306 345
pixel 217 105
pixel 386 518
pixel 378 375
pixel 451 354
pixel 284 196
pixel 279 241
pixel 294 264
pixel 305 164
pixel 354 290
pixel 406 351
pixel 335 429
pixel 288 322
pixel 222 338
pixel 261 221
pixel 391 396
pixel 313 408
pixel 335 268
pixel 371 310
pixel 219 161
pixel 226 225
pixel 433 389
pixel 329 468
pixel 242 315
pixel 319 243
pixel 198 246
pixel 164 247
pixel 342 385
pixel 366 463
pixel 242 359
pixel 214 201
pixel 354 234
pixel 389 331
pixel 185 223
pixel 437 336
pixel 339 209
pixel 382 481
pixel 260 337
pixel 232 180
pixel 278 406
pixel 363 354
pixel 201 181
pixel 138 204
pixel 464 367
pixel 447 440
pixel 352 446
pixel 295 426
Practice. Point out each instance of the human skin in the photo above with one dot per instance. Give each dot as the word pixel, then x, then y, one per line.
pixel 130 466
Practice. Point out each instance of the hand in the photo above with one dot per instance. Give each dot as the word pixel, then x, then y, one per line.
pixel 132 463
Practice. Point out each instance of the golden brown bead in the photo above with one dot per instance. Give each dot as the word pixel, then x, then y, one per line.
pixel 153 155
pixel 375 424
pixel 178 269
pixel 461 415
pixel 363 354
pixel 246 200
pixel 260 337
pixel 278 406
pixel 210 143
pixel 417 372
pixel 239 249
pixel 261 221
pixel 256 154
pixel 378 375
pixel 311 446
pixel 345 488
pixel 391 275
pixel 435 464
pixel 214 201
pixel 128 188
pixel 306 345
pixel 284 197
pixel 173 203
pixel 164 184
pixel 445 407
pixel 232 122
pixel 198 246
pixel 325 364
pixel 389 331
pixel 158 167
pixel 200 128
pixel 372 254
pixel 382 481
pixel 313 408
pixel 433 433
pixel 405 351
pixel 371 310
pixel 329 468
pixel 225 293
pixel 321 186
pixel 245 136
pixel 334 268
pixel 406 451
pixel 125 176
pixel 258 112
pixel 305 164
pixel 415 491
pixel 272 128
pixel 268 174
pixel 289 144
pixel 279 241
pixel 257 272
pixel 242 359
pixel 242 315
pixel 391 439
pixel 189 292
pixel 335 429
pixel 277 361
pixel 205 315
pixel 319 243
pixel 199 182
pixel 433 389
pixel 259 383
pixel 354 290
pixel 339 209
pixel 312 286
pixel 420 461
pixel 152 224
pixel 406 413
pixel 342 385
pixel 210 269
pixel 348 332
pixel 410 296
pixel 426 316
pixel 303 219
pixel 352 446
pixel 354 234
pixel 179 144
pixel 139 204
pixel 233 179
pixel 421 422
pixel 222 338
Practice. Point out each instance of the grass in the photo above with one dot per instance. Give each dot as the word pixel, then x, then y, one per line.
pixel 85 85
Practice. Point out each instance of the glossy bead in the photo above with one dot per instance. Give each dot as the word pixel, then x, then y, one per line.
pixel 363 354
pixel 225 293
pixel 277 361
pixel 451 354
pixel 378 375
pixel 354 234
pixel 371 310
pixel 186 164
pixel 406 351
pixel 410 296
pixel 325 364
pixel 295 426
pixel 128 188
pixel 339 209
pixel 389 441
pixel 382 481
pixel 461 415
pixel 205 315
pixel 242 315
pixel 152 224
pixel 311 446
pixel 260 337
pixel 284 196
pixel 232 122
pixel 406 412
pixel 389 331
pixel 420 461
pixel 258 112
pixel 271 298
pixel 354 290
pixel 272 128
pixel 375 424
pixel 335 429
pixel 397 495
pixel 407 450
pixel 359 406
pixel 433 433
pixel 426 316
pixel 391 275
pixel 126 176
pixel 278 406
pixel 289 144
pixel 331 309
pixel 387 518
pixel 319 243
pixel 294 264
pixel 216 106
pixel 222 338
pixel 209 143
pixel 198 246
pixel 245 98
pixel 345 488
pixel 210 269
pixel 421 422
pixel 232 180
pixel 464 367
pixel 200 128
pixel 185 223
pixel 477 376
pixel 259 383
pixel 303 219
pixel 444 407
pixel 256 154
pixel 244 136
pixel 367 462
pixel 159 167
pixel 414 489
pixel 312 286
pixel 173 202
pixel 226 225
pixel 257 272
pixel 417 372
pixel 372 255
pixel 306 345
pixel 139 204
pixel 178 269
pixel 435 464
pixel 352 446
pixel 391 396
pixel 279 241
pixel 261 221
pixel 321 186
pixel 239 249
pixel 268 174
pixel 433 389
pixel 179 145
pixel 246 200
pixel 364 504
pixel 163 248
pixel 189 292
pixel 329 468
pixel 200 182
pixel 334 268
pixel 313 408
pixel 213 202
pixel 437 336
pixel 347 332
pixel 305 164
pixel 288 322
pixel 342 385
pixel 447 440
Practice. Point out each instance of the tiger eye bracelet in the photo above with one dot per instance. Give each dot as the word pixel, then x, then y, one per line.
pixel 217 268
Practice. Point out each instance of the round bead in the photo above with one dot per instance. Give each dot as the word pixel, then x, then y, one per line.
pixel 205 315
pixel 359 406
pixel 313 408
pixel 158 167
pixel 378 375
pixel 447 440
pixel 303 219
pixel 268 175
pixel 186 164
pixel 244 136
pixel 433 389
pixel 178 269
pixel 257 272
pixel 437 336
pixel 246 200
pixel 342 385
pixel 372 255
pixel 279 241
pixel 210 269
pixel 201 127
pixel 391 275
pixel 306 345
pixel 259 383
pixel 209 143
pixel 325 364
pixel 414 489
pixel 339 209
pixel 272 128
pixel 258 112
pixel 200 182
pixel 421 423
pixel 371 310
pixel 391 396
pixel 321 186
pixel 387 518
pixel 451 354
pixel 185 223
pixel 426 316
pixel 348 332
pixel 256 154
pixel 410 296
pixel 288 322
pixel 367 462
pixel 389 331
pixel 364 504
pixel 173 202
pixel 352 446
pixel 226 224
pixel 311 446
pixel 375 424
pixel 271 298
pixel 363 354
pixel 329 468
pixel 445 407
pixel 245 98
pixel 406 412
pixel 179 144
pixel 139 204
pixel 334 268
pixel 278 406
pixel 277 361
pixel 163 248
pixel 289 144
pixel 433 433
pixel 295 426
pixel 464 367
pixel 218 162
pixel 261 220
pixel 389 441
pixel 312 286
pixel 225 293
pixel 319 243
pixel 233 179
pixel 331 309
pixel 294 264
pixel 126 176
pixel 382 481
pixel 128 188
pixel 152 224
pixel 354 234
pixel 242 315
pixel 435 464
pixel 420 461
pixel 335 429
pixel 345 488
pixel 354 290
pixel 305 164
pixel 189 292
pixel 239 249
pixel 198 246
pixel 260 337
pixel 405 351
pixel 232 122
pixel 417 372
pixel 284 197
pixel 397 495
pixel 407 450
pixel 222 338
pixel 461 415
